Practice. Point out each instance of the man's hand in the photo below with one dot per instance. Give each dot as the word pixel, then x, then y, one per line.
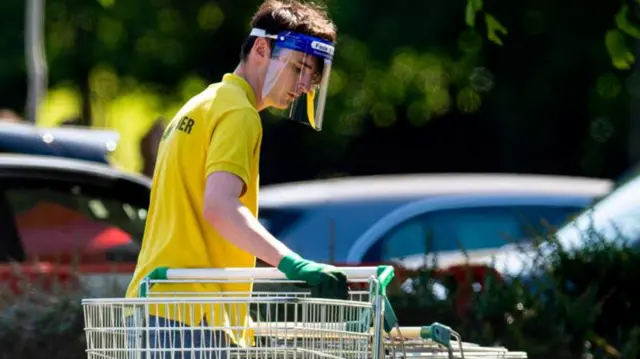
pixel 236 224
pixel 326 281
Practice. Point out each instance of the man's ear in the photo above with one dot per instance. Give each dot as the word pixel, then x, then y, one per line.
pixel 262 49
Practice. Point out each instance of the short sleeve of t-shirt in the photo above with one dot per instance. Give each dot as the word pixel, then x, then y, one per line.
pixel 234 138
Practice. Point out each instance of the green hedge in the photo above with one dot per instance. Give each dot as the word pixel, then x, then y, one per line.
pixel 586 306
pixel 39 324
pixel 583 304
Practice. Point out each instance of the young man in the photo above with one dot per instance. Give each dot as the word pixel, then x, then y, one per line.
pixel 204 198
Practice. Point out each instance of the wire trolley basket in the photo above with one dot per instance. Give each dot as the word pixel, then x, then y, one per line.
pixel 238 313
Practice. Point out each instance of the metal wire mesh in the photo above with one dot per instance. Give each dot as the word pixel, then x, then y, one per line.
pixel 311 328
pixel 285 322
pixel 419 348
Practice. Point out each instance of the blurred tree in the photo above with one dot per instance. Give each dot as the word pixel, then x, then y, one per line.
pixel 621 39
pixel 417 86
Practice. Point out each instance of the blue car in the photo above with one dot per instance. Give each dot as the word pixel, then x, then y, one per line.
pixel 383 219
pixel 614 218
pixel 79 143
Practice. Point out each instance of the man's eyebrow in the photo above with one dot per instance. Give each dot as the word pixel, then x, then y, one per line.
pixel 305 64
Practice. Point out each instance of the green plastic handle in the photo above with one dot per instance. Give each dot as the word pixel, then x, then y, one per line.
pixel 437 332
pixel 159 273
pixel 385 276
pixel 390 318
pixel 384 273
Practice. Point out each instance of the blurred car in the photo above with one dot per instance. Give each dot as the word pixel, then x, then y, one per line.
pixel 382 219
pixel 615 218
pixel 62 212
pixel 56 211
pixel 75 142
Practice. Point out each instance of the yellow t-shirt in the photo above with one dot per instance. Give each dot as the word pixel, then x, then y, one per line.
pixel 217 130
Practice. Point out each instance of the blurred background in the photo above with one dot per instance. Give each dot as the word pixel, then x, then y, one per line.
pixel 484 135
pixel 438 86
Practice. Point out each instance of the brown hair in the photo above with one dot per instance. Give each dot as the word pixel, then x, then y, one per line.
pixel 275 16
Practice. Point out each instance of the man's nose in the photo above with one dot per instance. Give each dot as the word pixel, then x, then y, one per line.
pixel 304 85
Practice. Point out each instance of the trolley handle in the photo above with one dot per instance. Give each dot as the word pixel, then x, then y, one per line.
pixel 384 274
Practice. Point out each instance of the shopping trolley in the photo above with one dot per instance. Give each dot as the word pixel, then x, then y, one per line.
pixel 285 321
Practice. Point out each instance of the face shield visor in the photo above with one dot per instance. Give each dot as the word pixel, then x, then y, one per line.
pixel 296 81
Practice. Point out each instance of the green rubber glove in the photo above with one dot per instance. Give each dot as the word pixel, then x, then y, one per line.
pixel 326 281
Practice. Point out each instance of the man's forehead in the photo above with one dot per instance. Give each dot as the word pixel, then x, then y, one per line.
pixel 300 57
pixel 309 62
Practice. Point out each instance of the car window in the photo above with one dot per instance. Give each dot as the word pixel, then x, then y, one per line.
pixel 278 220
pixel 614 218
pixel 54 222
pixel 468 228
pixel 325 231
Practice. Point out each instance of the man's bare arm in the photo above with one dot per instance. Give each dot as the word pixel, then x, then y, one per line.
pixel 233 221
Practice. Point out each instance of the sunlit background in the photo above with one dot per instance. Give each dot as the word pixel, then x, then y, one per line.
pixel 503 126
pixel 434 86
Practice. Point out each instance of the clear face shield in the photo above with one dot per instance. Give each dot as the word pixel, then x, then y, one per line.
pixel 297 79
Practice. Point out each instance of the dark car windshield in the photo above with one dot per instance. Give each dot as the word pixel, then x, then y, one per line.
pixel 277 220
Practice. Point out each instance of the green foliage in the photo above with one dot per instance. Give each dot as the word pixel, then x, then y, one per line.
pixel 475 7
pixel 575 303
pixel 615 39
pixel 43 326
pixel 423 72
pixel 578 302
pixel 41 321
